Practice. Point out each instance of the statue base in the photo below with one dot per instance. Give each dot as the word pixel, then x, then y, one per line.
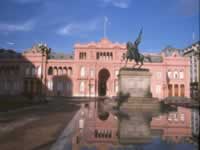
pixel 135 82
pixel 138 105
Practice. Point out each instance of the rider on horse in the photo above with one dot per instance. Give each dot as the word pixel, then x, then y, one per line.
pixel 133 52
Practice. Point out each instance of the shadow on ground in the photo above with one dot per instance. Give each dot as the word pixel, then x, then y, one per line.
pixel 48 121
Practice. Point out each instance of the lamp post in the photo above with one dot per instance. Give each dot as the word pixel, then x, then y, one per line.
pixel 45 52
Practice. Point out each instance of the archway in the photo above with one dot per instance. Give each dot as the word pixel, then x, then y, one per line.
pixel 102 82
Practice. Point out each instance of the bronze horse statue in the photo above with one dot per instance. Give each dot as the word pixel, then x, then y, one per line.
pixel 133 52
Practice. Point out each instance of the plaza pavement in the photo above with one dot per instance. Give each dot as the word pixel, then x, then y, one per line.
pixel 37 127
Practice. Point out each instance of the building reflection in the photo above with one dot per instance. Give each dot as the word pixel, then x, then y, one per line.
pixel 176 126
pixel 100 129
pixel 105 133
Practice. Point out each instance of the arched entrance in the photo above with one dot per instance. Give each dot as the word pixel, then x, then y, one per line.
pixel 102 82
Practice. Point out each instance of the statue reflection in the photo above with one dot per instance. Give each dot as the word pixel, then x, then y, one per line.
pixel 110 130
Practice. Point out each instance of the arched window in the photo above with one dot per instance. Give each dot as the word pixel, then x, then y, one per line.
pixel 82 71
pixel 70 72
pixel 65 70
pixel 55 71
pixel 50 71
pixel 60 72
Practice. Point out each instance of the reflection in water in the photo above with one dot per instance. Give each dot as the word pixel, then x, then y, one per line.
pixel 136 130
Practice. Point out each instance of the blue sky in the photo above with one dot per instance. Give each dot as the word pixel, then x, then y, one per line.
pixel 62 23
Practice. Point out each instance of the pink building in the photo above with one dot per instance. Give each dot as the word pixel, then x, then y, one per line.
pixel 91 71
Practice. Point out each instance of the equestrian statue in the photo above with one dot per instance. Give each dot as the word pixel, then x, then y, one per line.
pixel 133 52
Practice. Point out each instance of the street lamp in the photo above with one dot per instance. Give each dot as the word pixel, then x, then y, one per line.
pixel 45 52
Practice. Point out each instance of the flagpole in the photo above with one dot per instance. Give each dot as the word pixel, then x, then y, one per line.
pixel 105 21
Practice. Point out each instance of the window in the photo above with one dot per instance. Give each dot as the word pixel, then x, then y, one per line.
pixel 39 71
pixel 59 86
pixel 169 74
pixel 69 85
pixel 65 70
pixel 158 89
pixel 50 85
pixel 92 73
pixel 116 73
pixel 97 55
pixel 70 71
pixel 82 55
pixel 116 86
pixel 181 74
pixel 55 71
pixel 182 90
pixel 170 90
pixel 104 56
pixel 175 117
pixel 170 116
pixel 175 74
pixel 82 72
pixel 27 71
pixel 176 89
pixel 182 117
pixel 82 86
pixel 158 75
pixel 50 71
pixel 33 73
pixel 60 72
pixel 91 88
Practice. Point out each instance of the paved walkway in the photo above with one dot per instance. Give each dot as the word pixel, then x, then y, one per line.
pixel 36 128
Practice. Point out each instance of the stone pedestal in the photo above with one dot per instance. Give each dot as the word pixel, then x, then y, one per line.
pixel 135 82
pixel 139 105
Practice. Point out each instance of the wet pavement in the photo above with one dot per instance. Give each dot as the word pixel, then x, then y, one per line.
pixel 38 127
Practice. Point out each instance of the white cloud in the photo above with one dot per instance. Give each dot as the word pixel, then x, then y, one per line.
pixel 116 3
pixel 26 26
pixel 79 28
pixel 10 43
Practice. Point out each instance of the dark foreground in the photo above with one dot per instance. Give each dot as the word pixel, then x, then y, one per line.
pixel 36 128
